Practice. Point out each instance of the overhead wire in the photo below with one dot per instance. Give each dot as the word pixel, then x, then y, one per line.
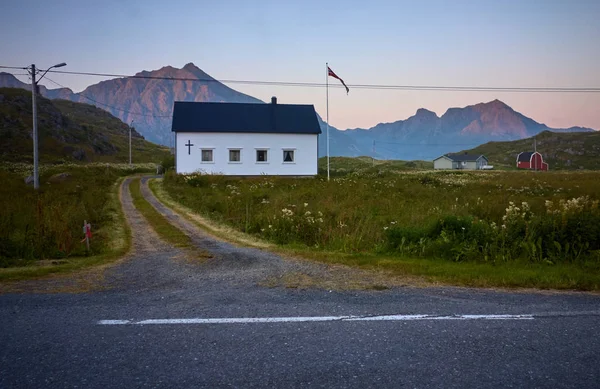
pixel 358 86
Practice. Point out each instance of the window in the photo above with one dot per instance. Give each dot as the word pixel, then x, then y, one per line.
pixel 207 155
pixel 235 155
pixel 261 155
pixel 288 156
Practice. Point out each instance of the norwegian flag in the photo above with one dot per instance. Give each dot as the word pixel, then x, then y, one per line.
pixel 332 74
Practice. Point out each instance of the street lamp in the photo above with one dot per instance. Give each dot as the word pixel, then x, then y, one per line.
pixel 34 84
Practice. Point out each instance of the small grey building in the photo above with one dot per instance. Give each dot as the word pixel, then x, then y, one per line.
pixel 460 162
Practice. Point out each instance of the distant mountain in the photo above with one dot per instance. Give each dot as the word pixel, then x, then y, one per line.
pixel 562 150
pixel 424 136
pixel 68 131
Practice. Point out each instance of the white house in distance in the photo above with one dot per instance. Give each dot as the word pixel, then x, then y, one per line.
pixel 246 139
pixel 461 161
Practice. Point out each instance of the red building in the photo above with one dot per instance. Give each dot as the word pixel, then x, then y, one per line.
pixel 531 160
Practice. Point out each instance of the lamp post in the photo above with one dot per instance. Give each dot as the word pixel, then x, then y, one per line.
pixel 33 72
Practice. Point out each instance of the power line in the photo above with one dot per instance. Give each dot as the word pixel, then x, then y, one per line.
pixel 357 86
pixel 13 67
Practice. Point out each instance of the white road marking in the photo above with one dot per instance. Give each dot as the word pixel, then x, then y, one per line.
pixel 248 320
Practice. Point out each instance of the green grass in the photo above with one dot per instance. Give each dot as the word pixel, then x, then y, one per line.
pixel 115 233
pixel 470 274
pixel 445 226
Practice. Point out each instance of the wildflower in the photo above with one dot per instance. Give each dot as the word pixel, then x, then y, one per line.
pixel 394 222
pixel 385 228
pixel 306 204
pixel 307 213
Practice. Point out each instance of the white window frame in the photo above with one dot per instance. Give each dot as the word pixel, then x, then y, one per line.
pixel 229 150
pixel 293 150
pixel 256 150
pixel 212 150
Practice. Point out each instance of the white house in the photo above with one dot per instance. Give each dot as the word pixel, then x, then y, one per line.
pixel 246 139
pixel 461 161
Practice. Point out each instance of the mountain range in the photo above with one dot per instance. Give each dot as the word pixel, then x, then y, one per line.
pixel 147 101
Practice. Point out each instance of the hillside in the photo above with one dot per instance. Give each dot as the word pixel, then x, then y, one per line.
pixel 562 151
pixel 68 132
pixel 340 166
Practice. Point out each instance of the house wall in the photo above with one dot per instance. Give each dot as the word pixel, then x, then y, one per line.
pixel 536 161
pixel 304 146
pixel 470 165
pixel 442 163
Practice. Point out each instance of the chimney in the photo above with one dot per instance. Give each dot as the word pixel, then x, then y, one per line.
pixel 273 100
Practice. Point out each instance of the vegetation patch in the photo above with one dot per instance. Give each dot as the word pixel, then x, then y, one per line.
pixel 41 231
pixel 514 229
pixel 68 132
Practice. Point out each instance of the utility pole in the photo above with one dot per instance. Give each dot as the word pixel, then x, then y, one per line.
pixel 33 71
pixel 373 158
pixel 36 176
pixel 130 127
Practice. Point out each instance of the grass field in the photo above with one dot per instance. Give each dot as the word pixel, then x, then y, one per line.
pixel 471 228
pixel 41 232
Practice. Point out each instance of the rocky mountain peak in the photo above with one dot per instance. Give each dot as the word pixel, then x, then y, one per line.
pixel 425 113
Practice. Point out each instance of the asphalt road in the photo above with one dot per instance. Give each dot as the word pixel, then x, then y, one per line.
pixel 56 340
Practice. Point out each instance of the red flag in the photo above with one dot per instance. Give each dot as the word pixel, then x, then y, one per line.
pixel 332 74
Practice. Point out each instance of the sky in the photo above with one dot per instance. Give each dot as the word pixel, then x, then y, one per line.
pixel 503 43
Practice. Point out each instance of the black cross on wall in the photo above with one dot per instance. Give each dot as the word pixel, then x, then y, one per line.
pixel 189 146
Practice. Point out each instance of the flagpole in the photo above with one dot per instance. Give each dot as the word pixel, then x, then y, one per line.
pixel 327 93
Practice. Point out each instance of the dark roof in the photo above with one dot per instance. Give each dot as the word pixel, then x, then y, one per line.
pixel 525 156
pixel 464 157
pixel 245 118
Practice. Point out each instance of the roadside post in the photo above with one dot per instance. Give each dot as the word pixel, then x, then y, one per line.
pixel 87 231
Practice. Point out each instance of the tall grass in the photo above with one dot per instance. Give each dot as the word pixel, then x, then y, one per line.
pixel 47 224
pixel 459 216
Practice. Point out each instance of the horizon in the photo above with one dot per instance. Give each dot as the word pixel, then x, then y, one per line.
pixel 513 44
